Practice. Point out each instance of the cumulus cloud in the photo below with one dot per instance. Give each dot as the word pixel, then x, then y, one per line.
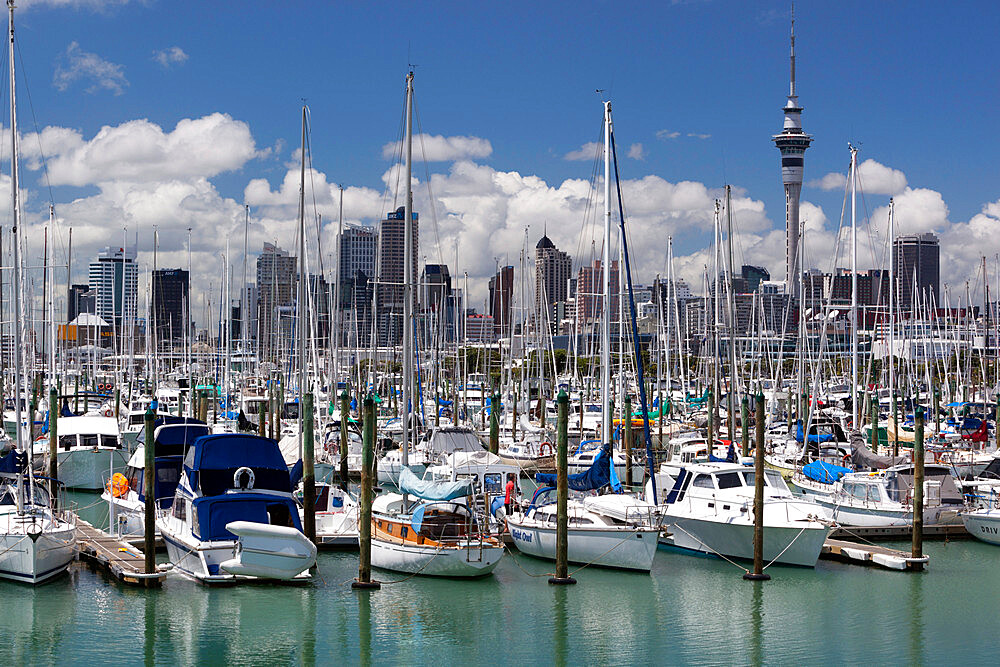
pixel 173 56
pixel 873 177
pixel 438 148
pixel 79 65
pixel 585 152
pixel 699 135
pixel 667 134
pixel 637 152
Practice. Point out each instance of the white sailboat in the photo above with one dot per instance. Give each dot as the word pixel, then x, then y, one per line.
pixel 36 541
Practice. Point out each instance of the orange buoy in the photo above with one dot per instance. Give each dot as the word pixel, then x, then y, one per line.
pixel 119 485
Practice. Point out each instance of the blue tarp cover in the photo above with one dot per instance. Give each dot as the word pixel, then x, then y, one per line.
pixel 730 456
pixel 215 513
pixel 595 477
pixel 813 438
pixel 823 472
pixel 427 489
pixel 232 450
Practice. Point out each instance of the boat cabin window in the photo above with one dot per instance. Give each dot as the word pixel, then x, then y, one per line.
pixel 88 440
pixel 580 521
pixel 278 515
pixel 728 480
pixel 67 441
pixel 703 482
pixel 493 482
pixel 109 441
pixel 134 476
pixel 180 509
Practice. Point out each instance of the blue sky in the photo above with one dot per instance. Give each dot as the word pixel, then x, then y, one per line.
pixel 699 85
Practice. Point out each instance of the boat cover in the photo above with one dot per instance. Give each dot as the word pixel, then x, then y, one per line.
pixel 594 477
pixel 428 489
pixel 730 456
pixel 813 437
pixel 14 462
pixel 863 458
pixel 211 463
pixel 824 472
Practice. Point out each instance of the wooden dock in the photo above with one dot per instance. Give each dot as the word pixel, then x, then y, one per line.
pixel 119 559
pixel 871 554
pixel 888 533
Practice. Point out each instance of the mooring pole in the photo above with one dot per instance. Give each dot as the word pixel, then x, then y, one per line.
pixel 745 423
pixel 758 573
pixel 149 478
pixel 308 469
pixel 917 550
pixel 562 493
pixel 364 580
pixel 874 438
pixel 53 444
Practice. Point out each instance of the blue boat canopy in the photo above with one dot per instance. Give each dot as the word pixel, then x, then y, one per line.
pixel 596 476
pixel 813 438
pixel 823 472
pixel 427 489
pixel 215 513
pixel 212 462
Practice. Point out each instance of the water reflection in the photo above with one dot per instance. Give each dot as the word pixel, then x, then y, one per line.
pixel 365 626
pixel 757 623
pixel 560 631
pixel 916 584
pixel 36 620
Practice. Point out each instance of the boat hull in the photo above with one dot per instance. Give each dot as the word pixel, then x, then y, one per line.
pixel 623 549
pixel 36 561
pixel 790 545
pixel 87 469
pixel 461 561
pixel 983 525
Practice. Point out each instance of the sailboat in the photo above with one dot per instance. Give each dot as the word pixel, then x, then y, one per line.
pixel 37 542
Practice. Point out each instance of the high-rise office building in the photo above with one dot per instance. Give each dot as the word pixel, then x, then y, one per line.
pixel 82 299
pixel 392 272
pixel 276 278
pixel 918 268
pixel 114 277
pixel 792 142
pixel 501 291
pixel 170 303
pixel 590 293
pixel 552 272
pixel 358 247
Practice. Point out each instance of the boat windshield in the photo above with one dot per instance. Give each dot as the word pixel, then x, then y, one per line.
pixel 771 478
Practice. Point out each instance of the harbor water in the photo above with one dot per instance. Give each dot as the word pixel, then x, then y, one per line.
pixel 690 609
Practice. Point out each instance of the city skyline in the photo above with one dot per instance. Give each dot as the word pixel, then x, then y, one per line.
pixel 689 118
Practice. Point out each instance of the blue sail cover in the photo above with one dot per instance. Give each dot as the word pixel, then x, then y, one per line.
pixel 730 456
pixel 813 438
pixel 823 472
pixel 427 489
pixel 14 462
pixel 596 476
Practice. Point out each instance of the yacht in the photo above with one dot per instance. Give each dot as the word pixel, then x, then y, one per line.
pixel 233 517
pixel 37 542
pixel 125 493
pixel 89 452
pixel 708 507
pixel 336 516
pixel 436 444
pixel 432 530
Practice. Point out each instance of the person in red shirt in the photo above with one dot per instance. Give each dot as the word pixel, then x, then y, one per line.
pixel 508 500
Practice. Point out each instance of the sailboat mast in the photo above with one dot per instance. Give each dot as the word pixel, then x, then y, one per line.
pixel 606 426
pixel 854 289
pixel 408 275
pixel 19 375
pixel 300 323
pixel 892 310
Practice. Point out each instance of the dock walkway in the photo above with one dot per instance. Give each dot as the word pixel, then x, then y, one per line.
pixel 870 554
pixel 120 559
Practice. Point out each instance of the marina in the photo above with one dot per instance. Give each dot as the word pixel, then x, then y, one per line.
pixel 274 425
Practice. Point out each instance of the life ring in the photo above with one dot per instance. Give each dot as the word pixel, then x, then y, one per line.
pixel 118 485
pixel 108 412
pixel 845 458
pixel 541 449
pixel 249 478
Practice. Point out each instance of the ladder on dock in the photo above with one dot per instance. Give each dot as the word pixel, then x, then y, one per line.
pixel 870 554
pixel 120 559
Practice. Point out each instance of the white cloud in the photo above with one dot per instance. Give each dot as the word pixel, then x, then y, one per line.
pixel 873 178
pixel 699 135
pixel 667 134
pixel 140 151
pixel 172 56
pixel 588 151
pixel 79 65
pixel 94 5
pixel 437 148
pixel 637 152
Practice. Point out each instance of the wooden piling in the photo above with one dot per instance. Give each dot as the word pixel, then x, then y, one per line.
pixel 562 493
pixel 917 550
pixel 308 469
pixel 345 415
pixel 495 423
pixel 149 485
pixel 627 439
pixel 745 423
pixel 364 580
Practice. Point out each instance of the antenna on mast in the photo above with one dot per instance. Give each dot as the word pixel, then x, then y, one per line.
pixel 791 91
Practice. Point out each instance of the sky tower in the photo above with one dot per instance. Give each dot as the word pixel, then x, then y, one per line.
pixel 792 142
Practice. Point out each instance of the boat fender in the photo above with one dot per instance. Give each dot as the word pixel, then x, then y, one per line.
pixel 542 447
pixel 243 478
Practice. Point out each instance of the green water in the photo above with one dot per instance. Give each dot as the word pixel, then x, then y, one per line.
pixel 689 610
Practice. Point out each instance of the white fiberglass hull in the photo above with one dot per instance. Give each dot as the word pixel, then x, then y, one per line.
pixel 388 470
pixel 88 469
pixel 983 525
pixel 462 560
pixel 874 516
pixel 791 545
pixel 35 561
pixel 622 548
pixel 268 552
